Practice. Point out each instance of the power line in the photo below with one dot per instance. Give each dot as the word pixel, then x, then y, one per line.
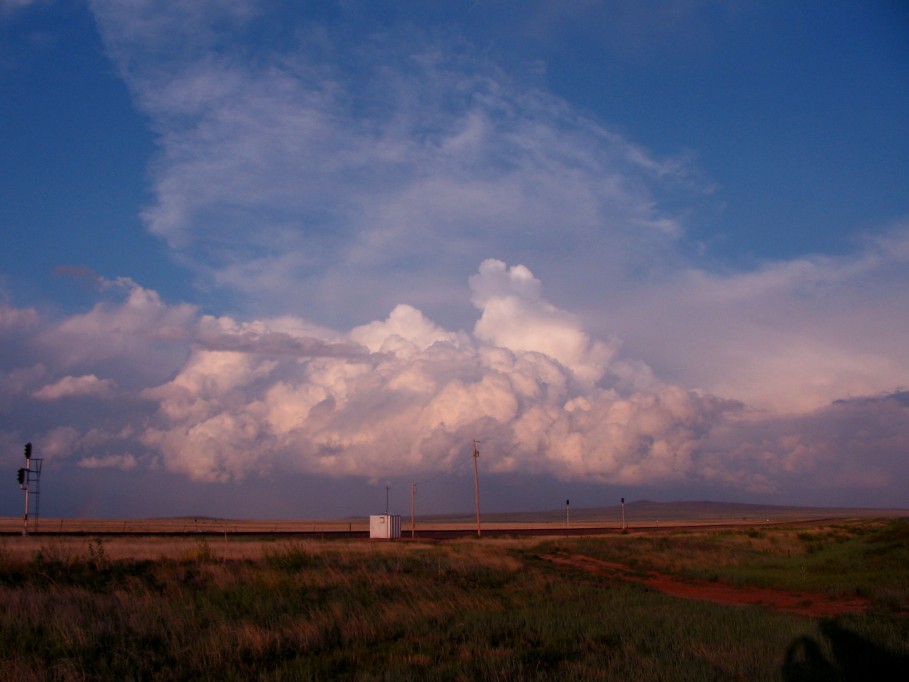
pixel 445 473
pixel 414 484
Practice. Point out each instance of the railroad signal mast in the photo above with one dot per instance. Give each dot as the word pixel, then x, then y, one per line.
pixel 28 476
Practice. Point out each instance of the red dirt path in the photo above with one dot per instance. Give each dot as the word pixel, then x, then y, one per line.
pixel 802 603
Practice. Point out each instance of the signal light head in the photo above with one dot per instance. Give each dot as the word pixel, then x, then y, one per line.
pixel 21 477
pixel 28 451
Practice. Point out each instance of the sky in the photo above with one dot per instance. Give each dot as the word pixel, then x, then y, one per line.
pixel 270 259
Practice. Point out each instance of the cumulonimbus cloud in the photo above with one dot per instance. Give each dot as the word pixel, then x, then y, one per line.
pixel 421 392
pixel 360 192
pixel 404 396
pixel 334 181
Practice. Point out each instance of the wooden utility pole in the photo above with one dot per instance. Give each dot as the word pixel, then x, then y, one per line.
pixel 28 474
pixel 476 484
pixel 25 517
pixel 413 522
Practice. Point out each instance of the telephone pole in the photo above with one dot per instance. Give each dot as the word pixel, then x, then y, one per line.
pixel 476 483
pixel 28 473
pixel 413 518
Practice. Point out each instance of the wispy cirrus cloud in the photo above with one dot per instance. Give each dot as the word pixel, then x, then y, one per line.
pixel 10 6
pixel 320 166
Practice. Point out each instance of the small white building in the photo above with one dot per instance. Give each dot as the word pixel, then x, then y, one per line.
pixel 385 526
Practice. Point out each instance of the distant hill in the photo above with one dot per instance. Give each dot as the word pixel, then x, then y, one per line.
pixel 646 511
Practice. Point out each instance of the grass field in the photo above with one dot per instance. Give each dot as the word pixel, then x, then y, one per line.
pixel 209 608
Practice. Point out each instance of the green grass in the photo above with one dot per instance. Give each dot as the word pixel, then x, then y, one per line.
pixel 466 610
pixel 868 558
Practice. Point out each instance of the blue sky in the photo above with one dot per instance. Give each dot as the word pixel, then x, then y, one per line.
pixel 270 258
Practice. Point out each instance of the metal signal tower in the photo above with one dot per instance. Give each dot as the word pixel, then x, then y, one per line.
pixel 31 473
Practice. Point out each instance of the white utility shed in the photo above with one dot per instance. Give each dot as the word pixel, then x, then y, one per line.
pixel 385 526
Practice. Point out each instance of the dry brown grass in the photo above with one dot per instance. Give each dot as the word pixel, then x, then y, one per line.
pixel 75 608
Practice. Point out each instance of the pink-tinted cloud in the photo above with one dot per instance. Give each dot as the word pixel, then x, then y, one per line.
pixel 402 395
pixel 17 319
pixel 135 330
pixel 424 391
pixel 788 336
pixel 81 386
pixel 516 316
pixel 126 462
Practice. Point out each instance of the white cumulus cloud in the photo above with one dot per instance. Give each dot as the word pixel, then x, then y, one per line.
pixel 515 316
pixel 526 382
pixel 404 396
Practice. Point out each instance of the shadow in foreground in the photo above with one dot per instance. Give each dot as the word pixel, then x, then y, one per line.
pixel 852 658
